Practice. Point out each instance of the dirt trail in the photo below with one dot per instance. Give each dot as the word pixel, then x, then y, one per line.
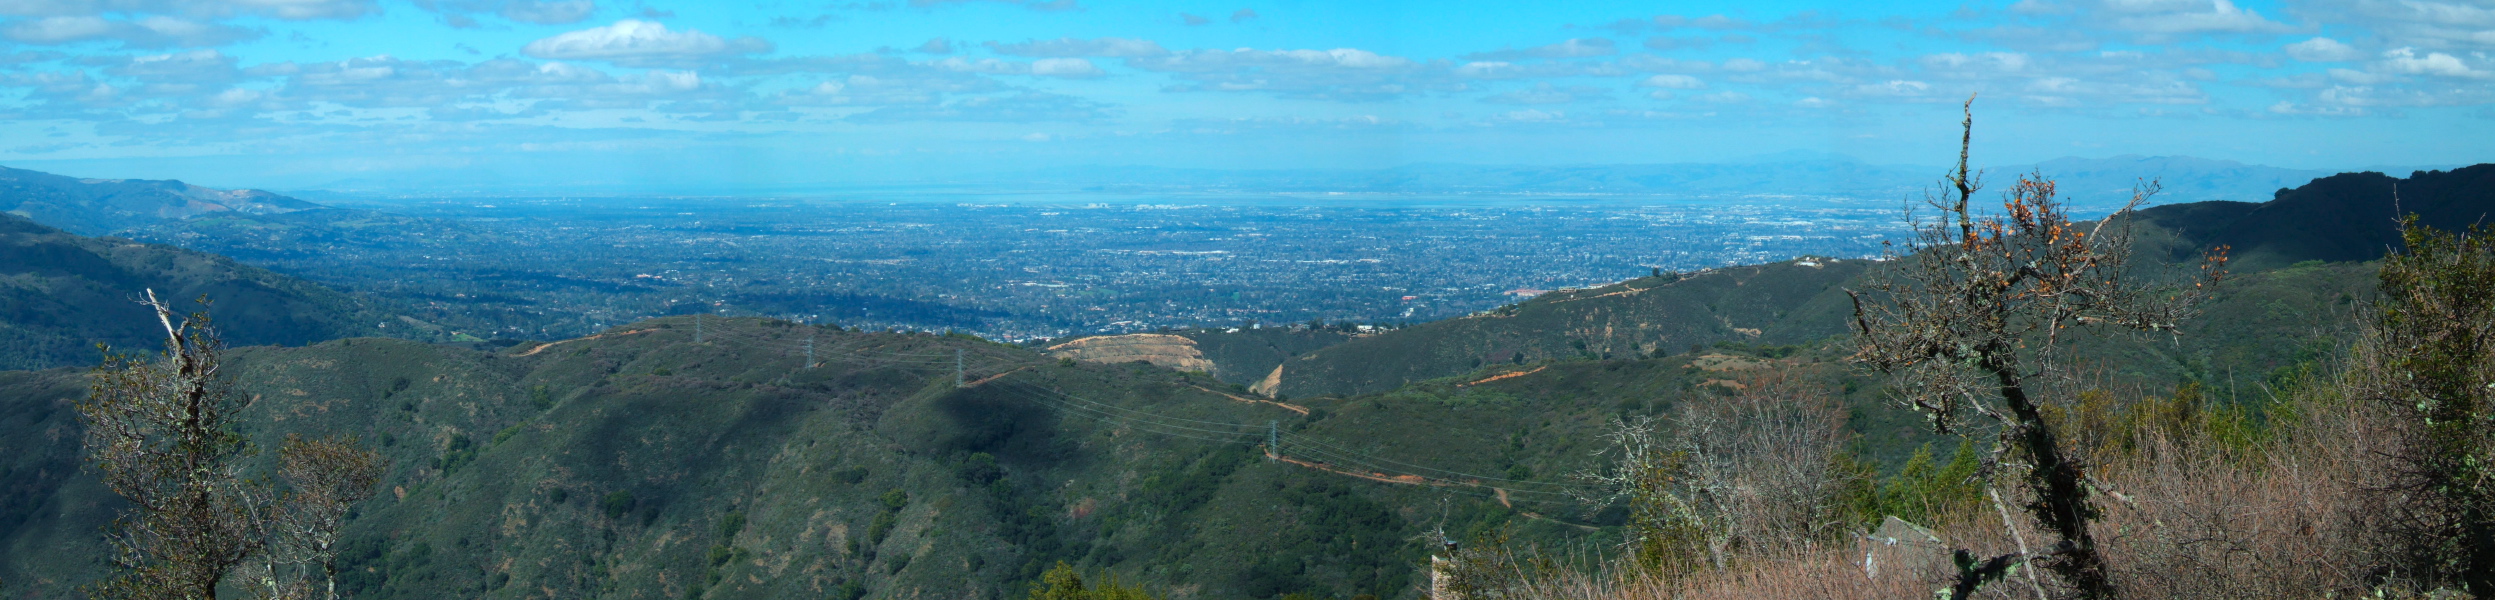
pixel 984 380
pixel 1505 376
pixel 543 347
pixel 1302 410
pixel 1626 292
pixel 1499 493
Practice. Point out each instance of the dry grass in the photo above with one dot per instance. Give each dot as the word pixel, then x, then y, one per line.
pixel 2187 514
pixel 2288 518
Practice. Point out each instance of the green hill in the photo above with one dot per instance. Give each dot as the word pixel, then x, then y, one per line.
pixel 62 293
pixel 1782 303
pixel 2341 218
pixel 2345 217
pixel 696 457
pixel 100 206
pixel 644 464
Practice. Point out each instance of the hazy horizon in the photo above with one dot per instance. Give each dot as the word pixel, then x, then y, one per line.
pixel 302 94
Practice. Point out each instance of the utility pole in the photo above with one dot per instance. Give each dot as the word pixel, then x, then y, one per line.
pixel 1273 441
pixel 809 351
pixel 957 368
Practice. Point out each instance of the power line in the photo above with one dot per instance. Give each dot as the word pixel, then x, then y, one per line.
pixel 1281 444
pixel 1321 443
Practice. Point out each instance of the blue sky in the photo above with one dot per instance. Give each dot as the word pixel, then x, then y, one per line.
pixel 447 93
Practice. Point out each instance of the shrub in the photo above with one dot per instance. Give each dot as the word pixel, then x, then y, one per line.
pixel 2429 358
pixel 615 504
pixel 730 525
pixel 1062 583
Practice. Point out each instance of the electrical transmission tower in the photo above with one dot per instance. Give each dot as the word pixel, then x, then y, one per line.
pixel 1273 441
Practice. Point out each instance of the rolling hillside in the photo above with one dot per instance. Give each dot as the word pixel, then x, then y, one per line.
pixel 1782 303
pixel 685 458
pixel 61 293
pixel 2341 218
pixel 100 206
pixel 646 464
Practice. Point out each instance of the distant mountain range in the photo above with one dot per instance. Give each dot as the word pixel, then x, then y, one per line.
pixel 713 457
pixel 61 294
pixel 2337 219
pixel 99 206
pixel 2089 182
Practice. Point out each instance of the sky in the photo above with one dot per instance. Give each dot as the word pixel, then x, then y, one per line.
pixel 438 94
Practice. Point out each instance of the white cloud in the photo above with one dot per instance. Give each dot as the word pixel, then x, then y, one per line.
pixel 2175 17
pixel 2071 92
pixel 858 90
pixel 1724 98
pixel 1339 74
pixel 1673 82
pixel 1706 22
pixel 2385 96
pixel 2322 49
pixel 1108 47
pixel 1507 70
pixel 1545 93
pixel 543 12
pixel 987 66
pixel 156 31
pixel 1282 125
pixel 57 30
pixel 1573 48
pixel 1979 65
pixel 294 9
pixel 2432 24
pixel 633 42
pixel 1038 5
pixel 1894 88
pixel 457 13
pixel 196 9
pixel 2284 107
pixel 1490 70
pixel 1027 107
pixel 2406 61
pixel 2360 77
pixel 1532 116
pixel 196 67
pixel 1070 68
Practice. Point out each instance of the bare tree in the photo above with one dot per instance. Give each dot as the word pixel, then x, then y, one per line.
pixel 1751 474
pixel 1762 465
pixel 1667 535
pixel 1966 318
pixel 160 429
pixel 324 478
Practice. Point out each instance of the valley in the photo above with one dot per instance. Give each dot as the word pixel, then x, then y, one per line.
pixel 715 455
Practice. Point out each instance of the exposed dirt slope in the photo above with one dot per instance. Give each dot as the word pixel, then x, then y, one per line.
pixel 1175 352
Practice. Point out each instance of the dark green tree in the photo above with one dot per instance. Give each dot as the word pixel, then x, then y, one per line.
pixel 2430 359
pixel 160 429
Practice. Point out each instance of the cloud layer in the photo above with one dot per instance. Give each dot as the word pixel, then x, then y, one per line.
pixel 182 76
